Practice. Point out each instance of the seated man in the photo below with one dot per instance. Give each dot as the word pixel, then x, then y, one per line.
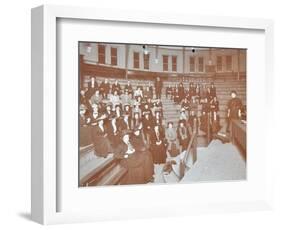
pixel 104 88
pixel 128 88
pixel 234 107
pixel 169 91
pixel 116 87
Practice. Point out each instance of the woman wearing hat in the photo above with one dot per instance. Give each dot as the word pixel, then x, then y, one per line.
pixel 115 99
pixel 131 159
pixel 141 148
pixel 113 132
pixel 92 87
pixel 100 137
pixel 171 135
pixel 158 145
pixel 183 135
pixel 116 87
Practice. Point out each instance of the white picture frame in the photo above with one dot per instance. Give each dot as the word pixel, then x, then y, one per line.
pixel 46 181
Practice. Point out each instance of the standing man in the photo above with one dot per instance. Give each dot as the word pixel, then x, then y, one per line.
pixel 234 109
pixel 158 87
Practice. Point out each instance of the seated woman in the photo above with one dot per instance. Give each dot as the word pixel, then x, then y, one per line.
pixel 171 135
pixel 116 87
pixel 136 120
pixel 183 115
pixel 185 104
pixel 113 132
pixel 176 95
pixel 204 122
pixel 132 159
pixel 158 145
pixel 169 91
pixel 115 99
pixel 126 98
pixel 100 139
pixel 157 119
pixel 147 128
pixel 215 123
pixel 138 92
pixel 140 147
pixel 128 88
pixel 183 135
pixel 96 98
pixel 193 121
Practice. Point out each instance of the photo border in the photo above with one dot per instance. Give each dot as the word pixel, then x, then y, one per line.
pixel 45 144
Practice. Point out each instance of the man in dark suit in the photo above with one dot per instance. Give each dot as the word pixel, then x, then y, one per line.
pixel 104 88
pixel 213 91
pixel 234 108
pixel 158 87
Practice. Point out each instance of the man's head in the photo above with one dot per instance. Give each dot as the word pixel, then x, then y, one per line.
pixel 82 109
pixel 126 138
pixel 181 124
pixel 170 124
pixel 233 93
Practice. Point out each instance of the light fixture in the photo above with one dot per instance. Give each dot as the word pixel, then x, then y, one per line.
pixel 145 49
pixel 156 60
pixel 88 48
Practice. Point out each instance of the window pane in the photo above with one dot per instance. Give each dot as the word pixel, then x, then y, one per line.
pixel 229 63
pixel 165 62
pixel 201 64
pixel 113 56
pixel 174 63
pixel 146 61
pixel 101 54
pixel 219 63
pixel 136 60
pixel 192 64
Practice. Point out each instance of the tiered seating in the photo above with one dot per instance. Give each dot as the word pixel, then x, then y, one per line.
pixel 224 87
pixel 97 170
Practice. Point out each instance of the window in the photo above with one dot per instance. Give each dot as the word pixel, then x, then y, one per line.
pixel 219 63
pixel 136 60
pixel 113 56
pixel 174 63
pixel 228 63
pixel 165 62
pixel 201 64
pixel 192 64
pixel 101 53
pixel 146 61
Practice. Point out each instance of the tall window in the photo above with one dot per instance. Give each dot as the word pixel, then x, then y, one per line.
pixel 200 64
pixel 146 61
pixel 219 63
pixel 192 64
pixel 165 62
pixel 174 63
pixel 101 53
pixel 113 52
pixel 136 60
pixel 228 63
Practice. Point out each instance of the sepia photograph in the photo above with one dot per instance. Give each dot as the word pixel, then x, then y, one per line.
pixel 161 114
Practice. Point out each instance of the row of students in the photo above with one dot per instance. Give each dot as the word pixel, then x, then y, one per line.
pixel 199 91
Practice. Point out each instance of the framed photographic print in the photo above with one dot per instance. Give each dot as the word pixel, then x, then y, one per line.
pixel 141 114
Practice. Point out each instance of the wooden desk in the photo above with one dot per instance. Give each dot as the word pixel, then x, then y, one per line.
pixel 239 136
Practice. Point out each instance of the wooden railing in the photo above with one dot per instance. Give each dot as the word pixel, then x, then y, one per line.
pixel 109 172
pixel 209 135
pixel 191 151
